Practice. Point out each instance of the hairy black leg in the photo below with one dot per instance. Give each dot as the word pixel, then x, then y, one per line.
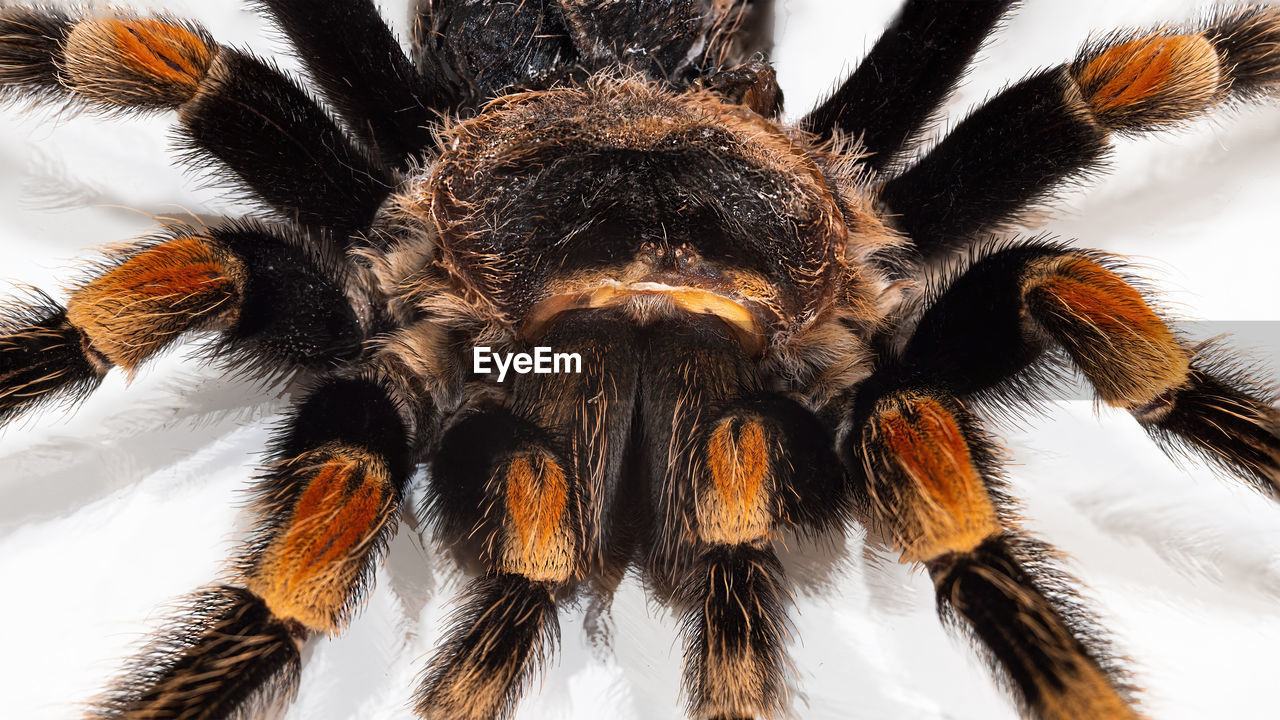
pixel 43 357
pixel 502 485
pixel 592 408
pixel 693 366
pixel 31 42
pixel 1055 126
pixel 283 146
pixel 907 75
pixel 325 508
pixel 1223 414
pixel 233 108
pixel 729 464
pixel 994 322
pixel 224 652
pixel 534 489
pixel 927 481
pixel 736 628
pixel 277 305
pixel 356 60
pixel 489 48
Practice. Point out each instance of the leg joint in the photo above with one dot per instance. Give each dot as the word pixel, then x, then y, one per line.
pixel 928 471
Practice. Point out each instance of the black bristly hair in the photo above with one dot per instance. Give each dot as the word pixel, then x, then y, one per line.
pixel 301 164
pixel 353 56
pixel 903 81
pixel 43 357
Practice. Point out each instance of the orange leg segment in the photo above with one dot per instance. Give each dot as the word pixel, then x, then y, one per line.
pixel 931 488
pixel 152 297
pixel 324 549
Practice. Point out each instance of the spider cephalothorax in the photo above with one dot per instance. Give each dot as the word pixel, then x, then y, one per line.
pixel 681 203
pixel 612 180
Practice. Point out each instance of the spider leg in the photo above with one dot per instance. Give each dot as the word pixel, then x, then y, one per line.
pixel 1188 398
pixel 325 509
pixel 1055 125
pixel 489 50
pixel 929 482
pixel 232 107
pixel 536 485
pixel 731 464
pixel 275 303
pixel 528 522
pixel 355 59
pixel 907 75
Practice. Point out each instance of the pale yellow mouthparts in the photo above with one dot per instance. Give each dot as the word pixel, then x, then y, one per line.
pixel 745 326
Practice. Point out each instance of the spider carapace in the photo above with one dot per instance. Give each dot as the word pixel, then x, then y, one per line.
pixel 767 342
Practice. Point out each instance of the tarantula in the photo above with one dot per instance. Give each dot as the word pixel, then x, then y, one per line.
pixel 761 349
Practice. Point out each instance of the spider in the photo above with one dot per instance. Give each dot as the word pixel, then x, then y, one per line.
pixel 686 319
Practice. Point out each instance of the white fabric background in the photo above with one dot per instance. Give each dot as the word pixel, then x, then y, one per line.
pixel 110 512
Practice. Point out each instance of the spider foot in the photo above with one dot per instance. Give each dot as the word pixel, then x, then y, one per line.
pixel 1024 613
pixel 227 654
pixel 503 632
pixel 44 358
pixel 736 633
pixel 1224 417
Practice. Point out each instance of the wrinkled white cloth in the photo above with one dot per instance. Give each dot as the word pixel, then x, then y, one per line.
pixel 110 512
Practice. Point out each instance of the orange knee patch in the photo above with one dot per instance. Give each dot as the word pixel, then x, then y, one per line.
pixel 311 569
pixel 932 500
pixel 1125 349
pixel 145 303
pixel 137 62
pixel 539 543
pixel 733 507
pixel 1151 81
